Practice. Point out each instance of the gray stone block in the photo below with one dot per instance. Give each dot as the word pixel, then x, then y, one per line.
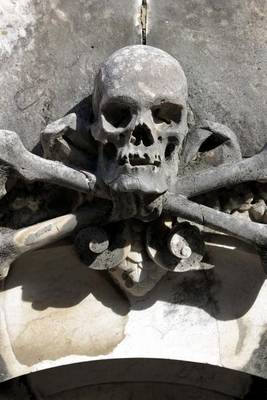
pixel 221 46
pixel 49 54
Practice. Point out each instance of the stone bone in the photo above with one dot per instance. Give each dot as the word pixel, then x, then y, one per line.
pixel 250 232
pixel 178 248
pixel 251 169
pixel 34 168
pixel 13 243
pixel 140 119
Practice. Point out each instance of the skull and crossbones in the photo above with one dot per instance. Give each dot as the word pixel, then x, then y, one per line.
pixel 135 153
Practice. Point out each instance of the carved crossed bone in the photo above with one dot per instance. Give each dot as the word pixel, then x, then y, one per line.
pixel 251 169
pixel 14 243
pixel 33 168
pixel 21 161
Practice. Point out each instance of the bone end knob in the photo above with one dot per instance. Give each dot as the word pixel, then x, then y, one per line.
pixel 179 247
pixel 101 249
pixel 99 242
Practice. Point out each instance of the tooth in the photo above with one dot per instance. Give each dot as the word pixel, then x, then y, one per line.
pixel 124 152
pixel 121 154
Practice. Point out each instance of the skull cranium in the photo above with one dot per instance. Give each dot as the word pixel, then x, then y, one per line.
pixel 139 104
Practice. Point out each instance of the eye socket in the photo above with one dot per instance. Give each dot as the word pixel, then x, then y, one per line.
pixel 167 113
pixel 117 114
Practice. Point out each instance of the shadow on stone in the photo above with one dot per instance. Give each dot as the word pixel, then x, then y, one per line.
pixel 226 292
pixel 55 277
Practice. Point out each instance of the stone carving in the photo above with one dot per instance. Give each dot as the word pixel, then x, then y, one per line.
pixel 137 163
pixel 141 120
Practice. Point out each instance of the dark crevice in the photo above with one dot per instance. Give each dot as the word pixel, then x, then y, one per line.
pixel 110 151
pixel 143 21
pixel 142 134
pixel 212 142
pixel 169 150
pixel 117 114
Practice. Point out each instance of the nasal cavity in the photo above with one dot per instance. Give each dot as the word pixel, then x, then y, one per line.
pixel 142 134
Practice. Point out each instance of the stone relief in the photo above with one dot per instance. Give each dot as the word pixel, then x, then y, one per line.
pixel 136 182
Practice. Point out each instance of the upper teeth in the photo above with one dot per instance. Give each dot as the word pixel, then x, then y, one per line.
pixel 140 159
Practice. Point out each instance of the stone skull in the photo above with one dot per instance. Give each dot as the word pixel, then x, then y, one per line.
pixel 139 105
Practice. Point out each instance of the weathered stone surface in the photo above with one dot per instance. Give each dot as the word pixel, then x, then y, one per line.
pixel 55 311
pixel 49 54
pixel 72 298
pixel 222 49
